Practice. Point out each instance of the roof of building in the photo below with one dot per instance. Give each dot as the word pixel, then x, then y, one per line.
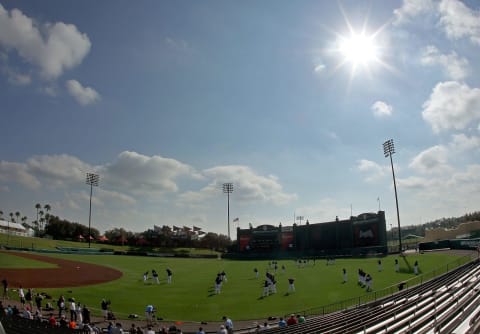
pixel 7 224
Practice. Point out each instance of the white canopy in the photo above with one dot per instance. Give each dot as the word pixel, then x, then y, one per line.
pixel 5 224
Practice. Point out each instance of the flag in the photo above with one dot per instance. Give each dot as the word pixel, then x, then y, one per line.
pixel 236 220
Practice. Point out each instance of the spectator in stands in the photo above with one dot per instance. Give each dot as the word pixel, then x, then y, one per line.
pixel 228 324
pixel 200 331
pixel 26 313
pixel 300 318
pixel 292 320
pixel 38 302
pixel 85 314
pixel 282 323
pixel 63 322
pixel 21 295
pixel 149 330
pixel 52 321
pixel 61 305
pixel 5 289
pixel 79 312
pixel 73 309
pixel 72 324
pixel 222 330
pixel 117 329
pixel 149 313
pixel 29 298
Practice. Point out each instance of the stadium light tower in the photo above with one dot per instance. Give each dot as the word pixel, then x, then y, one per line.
pixel 92 180
pixel 228 189
pixel 388 150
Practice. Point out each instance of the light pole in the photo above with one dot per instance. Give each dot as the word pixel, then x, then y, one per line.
pixel 228 189
pixel 388 150
pixel 92 180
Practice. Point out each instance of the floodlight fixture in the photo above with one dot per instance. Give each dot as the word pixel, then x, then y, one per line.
pixel 228 189
pixel 92 180
pixel 388 150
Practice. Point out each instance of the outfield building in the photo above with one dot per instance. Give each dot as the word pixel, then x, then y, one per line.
pixel 362 234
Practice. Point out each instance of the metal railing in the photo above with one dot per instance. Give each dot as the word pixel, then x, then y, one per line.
pixel 386 292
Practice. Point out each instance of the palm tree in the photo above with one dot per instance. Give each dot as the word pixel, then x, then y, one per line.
pixel 41 219
pixel 47 208
pixel 17 214
pixel 38 207
pixel 11 216
pixel 1 214
pixel 24 219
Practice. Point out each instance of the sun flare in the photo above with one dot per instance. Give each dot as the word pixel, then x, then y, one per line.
pixel 358 49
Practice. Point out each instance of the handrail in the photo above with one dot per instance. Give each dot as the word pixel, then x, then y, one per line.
pixel 373 296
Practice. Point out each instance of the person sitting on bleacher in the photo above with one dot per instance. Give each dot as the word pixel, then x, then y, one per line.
pixel 292 320
pixel 26 313
pixel 52 321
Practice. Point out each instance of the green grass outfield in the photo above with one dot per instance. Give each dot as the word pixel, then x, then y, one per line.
pixel 191 297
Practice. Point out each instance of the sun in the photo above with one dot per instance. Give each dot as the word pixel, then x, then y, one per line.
pixel 358 49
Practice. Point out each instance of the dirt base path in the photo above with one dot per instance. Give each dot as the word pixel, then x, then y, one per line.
pixel 67 274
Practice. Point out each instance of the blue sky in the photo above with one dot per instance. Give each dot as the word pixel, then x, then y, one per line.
pixel 290 101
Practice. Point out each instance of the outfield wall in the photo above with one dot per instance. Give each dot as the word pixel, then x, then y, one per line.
pixel 354 236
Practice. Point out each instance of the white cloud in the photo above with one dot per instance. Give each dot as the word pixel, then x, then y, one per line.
pixel 461 143
pixel 83 95
pixel 381 109
pixel 18 79
pixel 247 186
pixel 58 169
pixel 452 106
pixel 319 68
pixel 416 183
pixel 459 21
pixel 411 9
pixel 374 170
pixel 144 175
pixel 53 48
pixel 176 44
pixel 433 160
pixel 455 67
pixel 17 172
